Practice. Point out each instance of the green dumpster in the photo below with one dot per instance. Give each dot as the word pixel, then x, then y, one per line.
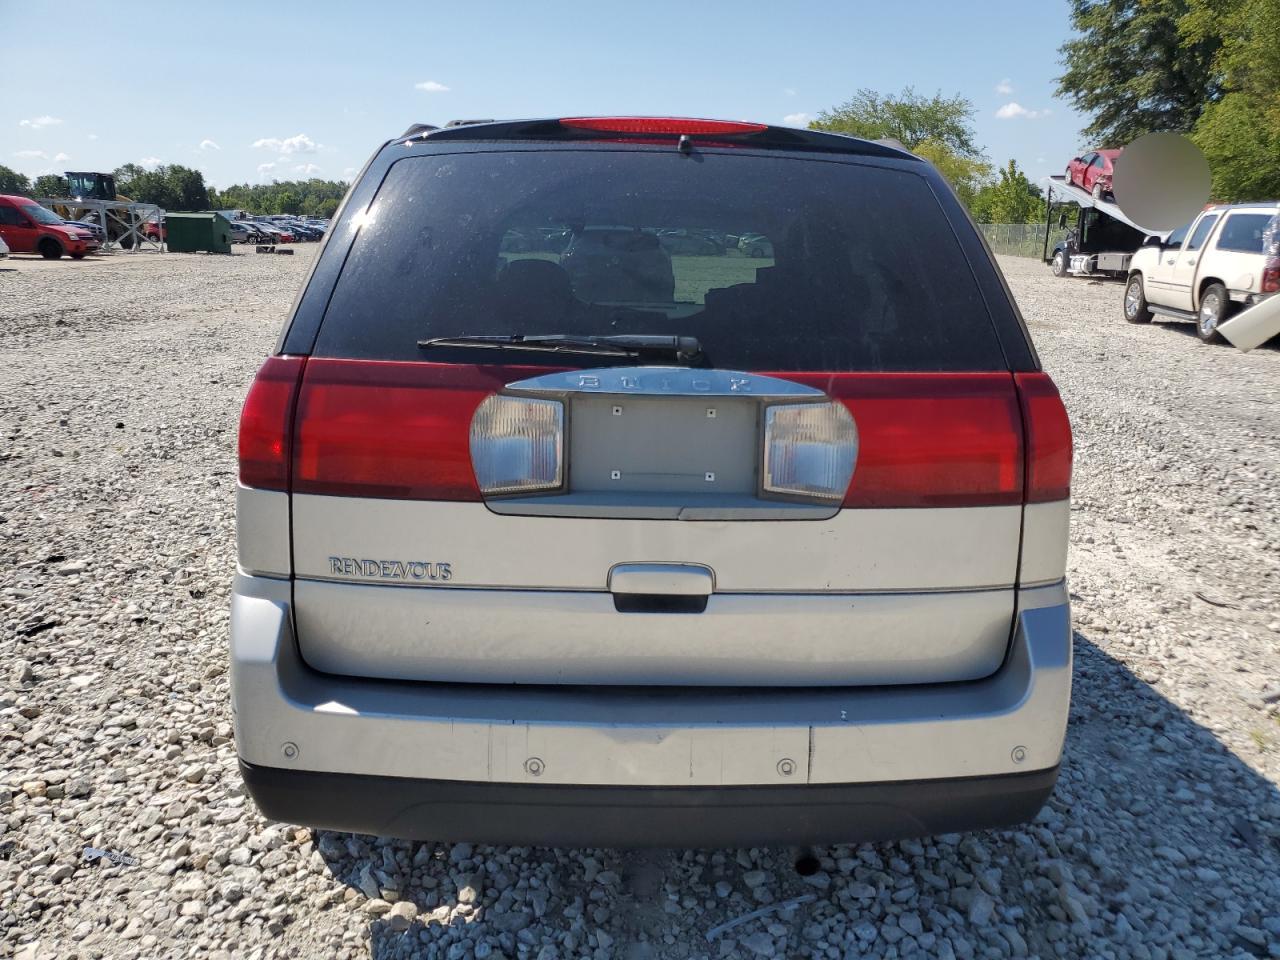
pixel 192 232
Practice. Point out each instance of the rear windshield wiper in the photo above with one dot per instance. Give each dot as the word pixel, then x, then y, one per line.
pixel 684 350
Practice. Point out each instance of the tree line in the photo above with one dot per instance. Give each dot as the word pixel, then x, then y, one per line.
pixel 940 129
pixel 1206 68
pixel 182 189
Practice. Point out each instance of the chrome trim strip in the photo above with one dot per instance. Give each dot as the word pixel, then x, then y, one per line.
pixel 666 382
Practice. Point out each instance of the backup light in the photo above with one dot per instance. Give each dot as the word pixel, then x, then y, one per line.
pixel 809 450
pixel 517 445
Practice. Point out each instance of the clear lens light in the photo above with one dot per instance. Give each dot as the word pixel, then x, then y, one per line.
pixel 516 444
pixel 809 450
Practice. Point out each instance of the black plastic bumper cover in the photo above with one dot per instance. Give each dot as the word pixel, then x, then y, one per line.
pixel 593 816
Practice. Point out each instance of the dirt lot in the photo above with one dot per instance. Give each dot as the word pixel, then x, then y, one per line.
pixel 120 384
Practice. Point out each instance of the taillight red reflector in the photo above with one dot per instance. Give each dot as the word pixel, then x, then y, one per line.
pixel 930 440
pixel 1048 438
pixel 370 428
pixel 674 126
pixel 264 424
pixel 1271 275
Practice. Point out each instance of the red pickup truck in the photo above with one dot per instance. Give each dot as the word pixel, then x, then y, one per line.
pixel 28 227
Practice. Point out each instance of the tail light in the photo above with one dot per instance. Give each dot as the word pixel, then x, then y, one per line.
pixel 809 450
pixel 265 424
pixel 389 429
pixel 517 445
pixel 1048 438
pixel 931 439
pixel 1271 275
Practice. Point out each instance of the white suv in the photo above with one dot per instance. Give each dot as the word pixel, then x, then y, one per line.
pixel 595 543
pixel 1225 259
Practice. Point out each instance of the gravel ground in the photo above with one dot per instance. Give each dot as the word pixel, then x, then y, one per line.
pixel 120 383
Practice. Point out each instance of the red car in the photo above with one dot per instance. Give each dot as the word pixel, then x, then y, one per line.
pixel 1093 172
pixel 28 227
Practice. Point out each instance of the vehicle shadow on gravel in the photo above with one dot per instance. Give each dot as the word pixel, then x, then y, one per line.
pixel 1158 842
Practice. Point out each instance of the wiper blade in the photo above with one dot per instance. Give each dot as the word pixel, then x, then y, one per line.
pixel 635 346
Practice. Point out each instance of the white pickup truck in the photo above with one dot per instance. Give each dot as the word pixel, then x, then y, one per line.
pixel 1224 260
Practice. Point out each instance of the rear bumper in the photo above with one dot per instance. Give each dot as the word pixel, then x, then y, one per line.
pixel 582 766
pixel 644 816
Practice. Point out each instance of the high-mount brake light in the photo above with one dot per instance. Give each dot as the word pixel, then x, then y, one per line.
pixel 517 445
pixel 1048 438
pixel 673 126
pixel 265 424
pixel 809 450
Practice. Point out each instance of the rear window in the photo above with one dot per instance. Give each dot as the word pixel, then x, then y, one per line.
pixel 773 263
pixel 1245 232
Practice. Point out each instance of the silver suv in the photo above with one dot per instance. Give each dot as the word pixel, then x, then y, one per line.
pixel 595 543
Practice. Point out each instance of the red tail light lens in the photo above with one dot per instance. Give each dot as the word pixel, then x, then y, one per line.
pixel 675 126
pixel 264 424
pixel 932 440
pixel 1271 275
pixel 393 430
pixel 1048 438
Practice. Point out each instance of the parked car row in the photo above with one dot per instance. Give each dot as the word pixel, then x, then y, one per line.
pixel 27 227
pixel 277 229
pixel 684 241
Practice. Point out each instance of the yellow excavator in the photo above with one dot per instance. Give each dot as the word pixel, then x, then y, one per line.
pixel 95 186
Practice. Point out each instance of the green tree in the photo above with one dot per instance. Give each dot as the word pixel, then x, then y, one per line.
pixel 11 181
pixel 1133 70
pixel 315 198
pixel 908 117
pixel 938 128
pixel 49 185
pixel 171 186
pixel 1240 134
pixel 1011 198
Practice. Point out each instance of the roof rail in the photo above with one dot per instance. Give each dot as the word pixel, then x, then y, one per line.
pixel 783 138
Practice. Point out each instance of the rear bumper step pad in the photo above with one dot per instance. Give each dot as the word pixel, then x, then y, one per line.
pixel 644 816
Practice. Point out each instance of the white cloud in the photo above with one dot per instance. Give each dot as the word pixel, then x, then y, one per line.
pixel 93 136
pixel 32 155
pixel 1004 87
pixel 431 86
pixel 208 144
pixel 150 161
pixel 797 119
pixel 37 123
pixel 349 172
pixel 300 143
pixel 60 158
pixel 306 169
pixel 266 167
pixel 789 91
pixel 1016 111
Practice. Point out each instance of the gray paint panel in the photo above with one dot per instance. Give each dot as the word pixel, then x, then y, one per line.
pixel 855 551
pixel 262 531
pixel 536 637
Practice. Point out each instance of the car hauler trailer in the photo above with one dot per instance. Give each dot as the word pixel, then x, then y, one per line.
pixel 1099 244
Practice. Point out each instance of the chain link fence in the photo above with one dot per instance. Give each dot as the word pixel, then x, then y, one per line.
pixel 1020 239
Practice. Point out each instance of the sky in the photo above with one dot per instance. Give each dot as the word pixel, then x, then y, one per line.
pixel 251 92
